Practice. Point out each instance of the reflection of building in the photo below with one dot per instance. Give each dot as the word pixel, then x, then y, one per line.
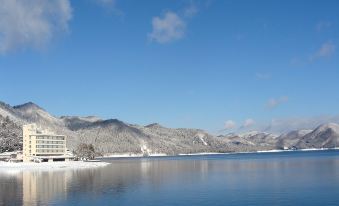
pixel 42 188
pixel 39 144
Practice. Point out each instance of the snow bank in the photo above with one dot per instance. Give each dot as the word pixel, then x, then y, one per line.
pixel 120 155
pixel 318 149
pixel 47 166
pixel 274 150
pixel 203 153
pixel 263 151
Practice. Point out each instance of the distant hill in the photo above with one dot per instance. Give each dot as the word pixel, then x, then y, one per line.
pixel 113 136
pixel 324 136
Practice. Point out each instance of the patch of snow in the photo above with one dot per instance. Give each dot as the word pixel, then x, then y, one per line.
pixel 304 132
pixel 203 153
pixel 48 166
pixel 7 154
pixel 145 151
pixel 248 134
pixel 314 149
pixel 201 137
pixel 122 155
pixel 273 150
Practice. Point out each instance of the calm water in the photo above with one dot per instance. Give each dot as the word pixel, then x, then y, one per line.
pixel 290 178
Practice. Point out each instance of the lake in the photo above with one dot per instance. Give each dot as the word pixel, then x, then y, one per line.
pixel 284 178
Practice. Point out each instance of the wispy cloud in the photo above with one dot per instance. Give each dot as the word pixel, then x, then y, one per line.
pixel 191 10
pixel 106 2
pixel 171 26
pixel 327 49
pixel 230 124
pixel 248 123
pixel 322 25
pixel 167 28
pixel 31 23
pixel 109 5
pixel 274 102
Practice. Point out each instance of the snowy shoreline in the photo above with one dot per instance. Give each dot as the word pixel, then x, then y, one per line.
pixel 128 155
pixel 263 151
pixel 49 166
pixel 52 166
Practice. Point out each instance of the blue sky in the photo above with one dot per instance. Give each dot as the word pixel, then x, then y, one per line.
pixel 221 66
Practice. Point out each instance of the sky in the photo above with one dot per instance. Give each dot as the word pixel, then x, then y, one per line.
pixel 219 65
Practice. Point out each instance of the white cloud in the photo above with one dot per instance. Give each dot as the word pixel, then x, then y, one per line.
pixel 31 23
pixel 106 2
pixel 168 28
pixel 191 10
pixel 327 49
pixel 274 102
pixel 172 25
pixel 248 123
pixel 230 124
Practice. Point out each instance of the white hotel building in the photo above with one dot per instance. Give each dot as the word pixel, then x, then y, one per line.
pixel 43 145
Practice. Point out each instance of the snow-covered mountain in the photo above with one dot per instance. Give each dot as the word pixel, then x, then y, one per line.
pixel 112 135
pixel 31 112
pixel 252 141
pixel 324 136
pixel 291 139
pixel 115 136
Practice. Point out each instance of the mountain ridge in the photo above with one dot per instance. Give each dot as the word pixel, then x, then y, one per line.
pixel 113 136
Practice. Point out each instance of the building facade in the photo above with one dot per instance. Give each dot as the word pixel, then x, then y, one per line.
pixel 43 145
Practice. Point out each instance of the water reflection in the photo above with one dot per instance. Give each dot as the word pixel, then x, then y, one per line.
pixel 194 180
pixel 10 189
pixel 50 187
pixel 42 187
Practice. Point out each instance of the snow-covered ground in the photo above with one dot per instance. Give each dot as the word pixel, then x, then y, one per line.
pixel 157 155
pixel 9 166
pixel 276 150
pixel 203 153
pixel 134 155
pixel 121 155
pixel 263 151
pixel 316 149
